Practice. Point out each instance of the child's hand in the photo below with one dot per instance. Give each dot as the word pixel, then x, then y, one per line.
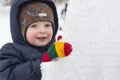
pixel 57 50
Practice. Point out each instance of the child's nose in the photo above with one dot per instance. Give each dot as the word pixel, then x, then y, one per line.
pixel 41 29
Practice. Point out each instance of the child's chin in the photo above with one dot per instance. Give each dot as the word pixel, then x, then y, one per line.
pixel 42 45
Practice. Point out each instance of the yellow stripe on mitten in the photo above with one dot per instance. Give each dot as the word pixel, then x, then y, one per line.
pixel 59 46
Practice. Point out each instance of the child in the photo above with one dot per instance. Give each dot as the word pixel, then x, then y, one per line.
pixel 34 24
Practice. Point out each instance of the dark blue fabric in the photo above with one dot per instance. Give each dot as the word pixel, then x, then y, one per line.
pixel 19 60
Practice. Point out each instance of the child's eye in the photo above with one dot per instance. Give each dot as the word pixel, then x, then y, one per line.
pixel 48 25
pixel 33 25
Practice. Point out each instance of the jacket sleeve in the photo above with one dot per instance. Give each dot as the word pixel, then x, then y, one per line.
pixel 13 67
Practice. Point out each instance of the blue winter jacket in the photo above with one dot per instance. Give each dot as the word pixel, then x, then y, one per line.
pixel 19 60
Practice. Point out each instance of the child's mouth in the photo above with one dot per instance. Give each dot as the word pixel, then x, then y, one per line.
pixel 41 38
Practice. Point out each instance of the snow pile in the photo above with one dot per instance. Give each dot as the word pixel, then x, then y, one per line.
pixel 93 27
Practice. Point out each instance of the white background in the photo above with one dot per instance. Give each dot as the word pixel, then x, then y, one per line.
pixel 5 35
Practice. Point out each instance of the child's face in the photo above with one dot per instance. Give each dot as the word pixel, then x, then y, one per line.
pixel 39 33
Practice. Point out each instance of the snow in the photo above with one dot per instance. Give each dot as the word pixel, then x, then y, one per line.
pixel 93 28
pixel 5 35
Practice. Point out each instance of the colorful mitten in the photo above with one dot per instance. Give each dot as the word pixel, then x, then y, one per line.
pixel 58 49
